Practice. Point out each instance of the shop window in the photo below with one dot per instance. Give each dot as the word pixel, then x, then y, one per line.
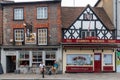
pixel 50 57
pixel 24 59
pixel 36 58
pixel 79 59
pixel 108 59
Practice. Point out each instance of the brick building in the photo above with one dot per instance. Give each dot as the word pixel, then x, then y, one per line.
pixel 31 34
pixel 80 39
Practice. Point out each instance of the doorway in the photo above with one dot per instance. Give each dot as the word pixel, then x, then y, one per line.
pixel 97 62
pixel 10 64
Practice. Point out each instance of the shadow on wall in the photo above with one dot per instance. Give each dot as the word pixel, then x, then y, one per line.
pixel 1 69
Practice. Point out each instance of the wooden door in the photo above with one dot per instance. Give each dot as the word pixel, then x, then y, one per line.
pixel 97 62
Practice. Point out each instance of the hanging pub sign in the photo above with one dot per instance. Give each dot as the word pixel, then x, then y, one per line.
pixel 28 29
pixel 30 39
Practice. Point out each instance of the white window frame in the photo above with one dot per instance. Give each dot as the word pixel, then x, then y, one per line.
pixel 42 36
pixel 87 34
pixel 42 13
pixel 36 58
pixel 108 59
pixel 51 58
pixel 18 14
pixel 19 33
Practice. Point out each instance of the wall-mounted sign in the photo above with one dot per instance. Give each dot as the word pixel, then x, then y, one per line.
pixel 90 41
pixel 30 39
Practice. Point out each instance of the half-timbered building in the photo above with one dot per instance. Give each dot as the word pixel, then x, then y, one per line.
pixel 88 40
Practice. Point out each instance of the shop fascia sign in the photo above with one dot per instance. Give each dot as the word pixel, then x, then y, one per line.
pixel 90 41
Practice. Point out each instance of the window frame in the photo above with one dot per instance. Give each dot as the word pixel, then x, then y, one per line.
pixel 44 14
pixel 87 34
pixel 79 59
pixel 19 16
pixel 110 62
pixel 42 36
pixel 37 58
pixel 21 40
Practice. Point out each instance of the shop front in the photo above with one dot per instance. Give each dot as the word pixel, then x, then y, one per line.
pixel 27 60
pixel 89 55
pixel 82 59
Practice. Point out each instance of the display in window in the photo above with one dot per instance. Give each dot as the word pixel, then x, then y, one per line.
pixel 24 59
pixel 36 58
pixel 79 59
pixel 50 55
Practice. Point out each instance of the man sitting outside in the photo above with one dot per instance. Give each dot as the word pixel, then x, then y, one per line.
pixel 55 67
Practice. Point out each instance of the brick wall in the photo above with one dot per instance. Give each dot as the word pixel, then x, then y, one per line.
pixel 53 23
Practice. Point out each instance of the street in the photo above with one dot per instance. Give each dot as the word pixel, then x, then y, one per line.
pixel 66 76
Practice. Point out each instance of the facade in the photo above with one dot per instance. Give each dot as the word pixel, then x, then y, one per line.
pixel 89 40
pixel 31 35
pixel 112 9
pixel 80 39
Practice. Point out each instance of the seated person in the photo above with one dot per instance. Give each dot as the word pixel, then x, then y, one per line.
pixel 41 67
pixel 54 67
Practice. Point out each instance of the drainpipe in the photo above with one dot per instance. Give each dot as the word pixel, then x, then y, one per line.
pixel 116 18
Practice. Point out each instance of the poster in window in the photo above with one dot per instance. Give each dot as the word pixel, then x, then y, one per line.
pixel 79 59
pixel 30 39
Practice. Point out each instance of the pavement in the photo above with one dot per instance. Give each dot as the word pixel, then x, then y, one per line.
pixel 66 76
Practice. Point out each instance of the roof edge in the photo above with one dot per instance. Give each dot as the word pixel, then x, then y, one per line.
pixel 31 2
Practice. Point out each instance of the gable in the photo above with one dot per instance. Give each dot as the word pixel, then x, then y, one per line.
pixel 70 14
pixel 87 24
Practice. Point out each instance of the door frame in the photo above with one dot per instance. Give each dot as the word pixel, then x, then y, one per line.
pixel 13 67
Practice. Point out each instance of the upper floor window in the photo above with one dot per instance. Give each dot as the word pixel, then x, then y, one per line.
pixel 42 36
pixel 19 35
pixel 42 13
pixel 85 34
pixel 18 14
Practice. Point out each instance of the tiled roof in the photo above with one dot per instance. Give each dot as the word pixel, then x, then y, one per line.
pixel 70 14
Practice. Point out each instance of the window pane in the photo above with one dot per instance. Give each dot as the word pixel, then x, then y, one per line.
pixel 108 59
pixel 42 13
pixel 18 14
pixel 42 36
pixel 79 59
pixel 19 34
